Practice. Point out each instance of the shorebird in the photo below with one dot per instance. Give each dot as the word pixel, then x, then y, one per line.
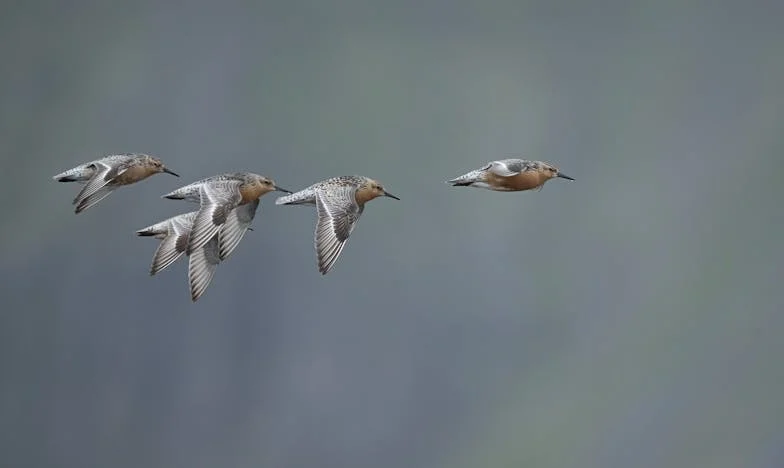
pixel 227 206
pixel 339 203
pixel 510 175
pixel 102 176
pixel 174 233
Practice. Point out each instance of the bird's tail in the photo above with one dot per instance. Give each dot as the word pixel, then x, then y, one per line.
pixel 188 192
pixel 467 179
pixel 81 173
pixel 156 229
pixel 161 229
pixel 303 197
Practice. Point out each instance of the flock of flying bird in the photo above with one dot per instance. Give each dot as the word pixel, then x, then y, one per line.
pixel 228 203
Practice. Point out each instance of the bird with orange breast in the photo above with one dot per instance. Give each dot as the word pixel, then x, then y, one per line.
pixel 510 175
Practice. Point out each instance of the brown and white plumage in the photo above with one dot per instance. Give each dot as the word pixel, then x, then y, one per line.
pixel 510 175
pixel 227 205
pixel 102 176
pixel 339 203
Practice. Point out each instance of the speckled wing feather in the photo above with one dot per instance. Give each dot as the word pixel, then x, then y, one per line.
pixel 338 213
pixel 202 263
pixel 95 189
pixel 174 244
pixel 235 227
pixel 218 198
pixel 93 198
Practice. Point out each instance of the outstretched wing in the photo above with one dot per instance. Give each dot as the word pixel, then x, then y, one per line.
pixel 96 188
pixel 338 213
pixel 237 223
pixel 174 244
pixel 217 199
pixel 201 267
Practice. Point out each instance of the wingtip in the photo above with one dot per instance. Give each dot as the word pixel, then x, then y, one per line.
pixel 197 291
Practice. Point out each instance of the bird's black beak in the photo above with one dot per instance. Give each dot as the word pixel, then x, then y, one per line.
pixel 563 176
pixel 169 171
pixel 387 194
pixel 280 189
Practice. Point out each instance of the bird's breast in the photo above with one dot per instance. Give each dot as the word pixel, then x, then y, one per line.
pixel 523 181
pixel 134 174
pixel 364 195
pixel 251 192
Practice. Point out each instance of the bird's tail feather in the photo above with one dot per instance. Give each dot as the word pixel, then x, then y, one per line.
pixel 467 179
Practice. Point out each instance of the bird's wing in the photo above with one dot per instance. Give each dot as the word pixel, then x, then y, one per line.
pixel 201 267
pixel 237 223
pixel 95 189
pixel 338 213
pixel 217 199
pixel 93 198
pixel 515 166
pixel 174 244
pixel 507 167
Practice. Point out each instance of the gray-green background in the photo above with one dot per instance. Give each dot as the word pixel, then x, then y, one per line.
pixel 632 318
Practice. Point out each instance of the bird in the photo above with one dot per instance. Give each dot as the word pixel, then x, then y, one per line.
pixel 510 175
pixel 339 203
pixel 102 176
pixel 228 204
pixel 173 233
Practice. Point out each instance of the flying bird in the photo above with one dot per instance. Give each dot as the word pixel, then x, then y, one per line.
pixel 339 203
pixel 510 175
pixel 228 203
pixel 227 206
pixel 102 176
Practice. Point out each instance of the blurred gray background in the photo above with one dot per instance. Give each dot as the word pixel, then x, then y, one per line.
pixel 632 318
